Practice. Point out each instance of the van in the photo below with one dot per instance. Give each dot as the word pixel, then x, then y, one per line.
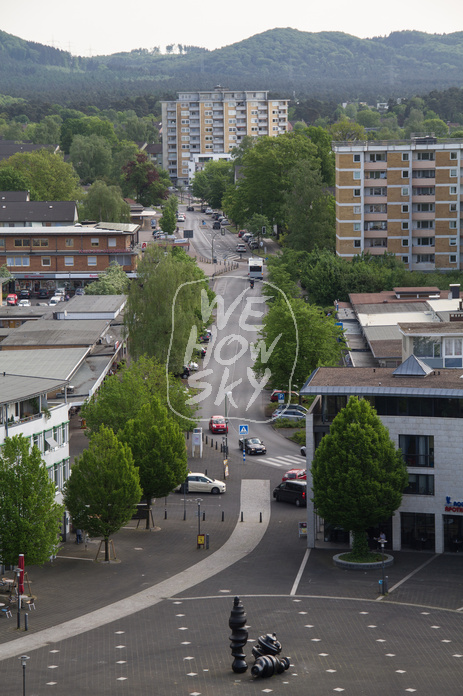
pixel 294 492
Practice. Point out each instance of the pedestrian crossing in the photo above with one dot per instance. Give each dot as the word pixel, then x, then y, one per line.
pixel 286 462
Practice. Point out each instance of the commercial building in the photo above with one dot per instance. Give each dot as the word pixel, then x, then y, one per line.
pixel 200 126
pixel 401 197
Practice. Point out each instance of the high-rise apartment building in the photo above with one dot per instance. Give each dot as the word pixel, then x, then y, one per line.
pixel 403 197
pixel 202 126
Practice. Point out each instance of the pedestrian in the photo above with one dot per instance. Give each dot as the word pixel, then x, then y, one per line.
pixel 78 536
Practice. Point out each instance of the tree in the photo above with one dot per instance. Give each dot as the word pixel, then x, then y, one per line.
pixel 48 176
pixel 48 131
pixel 347 130
pixel 121 396
pixel 436 126
pixel 104 487
pixel 30 517
pixel 12 180
pixel 211 184
pixel 159 452
pixel 318 339
pixel 91 157
pixel 164 334
pixel 114 281
pixel 168 221
pixel 142 179
pixel 368 118
pixel 86 125
pixel 358 475
pixel 256 224
pixel 104 203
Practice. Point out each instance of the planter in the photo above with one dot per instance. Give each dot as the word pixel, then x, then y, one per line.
pixel 373 565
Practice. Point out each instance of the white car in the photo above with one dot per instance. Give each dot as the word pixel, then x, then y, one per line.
pixel 199 483
pixel 59 292
pixel 180 218
pixel 24 303
pixel 193 366
pixel 208 211
pixel 54 301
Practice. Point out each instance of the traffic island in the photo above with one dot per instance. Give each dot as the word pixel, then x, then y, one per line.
pixel 386 562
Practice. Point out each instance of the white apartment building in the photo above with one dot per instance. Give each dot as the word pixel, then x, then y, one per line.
pixel 198 126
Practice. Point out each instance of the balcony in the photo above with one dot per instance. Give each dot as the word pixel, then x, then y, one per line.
pixel 374 165
pixel 428 198
pixel 375 217
pixel 430 215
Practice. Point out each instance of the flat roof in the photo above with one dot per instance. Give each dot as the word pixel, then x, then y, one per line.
pixel 57 364
pixel 435 328
pixel 18 388
pixel 393 318
pixel 92 304
pixel 54 333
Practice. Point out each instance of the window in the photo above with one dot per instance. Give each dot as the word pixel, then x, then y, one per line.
pixel 405 225
pixel 356 158
pixel 376 191
pixel 357 210
pixel 453 352
pixel 377 225
pixel 425 207
pixel 453 155
pixel 453 207
pixel 185 121
pixel 91 260
pixel 453 224
pixel 425 224
pixel 405 259
pixel 2 242
pixel 185 138
pixel 405 156
pixel 69 242
pixel 376 175
pixel 357 243
pixel 112 242
pixel 17 261
pixel 453 190
pixel 376 208
pixel 94 242
pixel 405 208
pixel 425 258
pixel 357 227
pixel 420 484
pixel 405 242
pixel 185 130
pixel 452 241
pixel 40 242
pixel 453 173
pixel 357 176
pixel 68 260
pixel 405 191
pixel 452 258
pixel 356 192
pixel 425 156
pixel 46 261
pixel 423 191
pixel 22 242
pixel 208 137
pixel 417 450
pixel 378 157
pixel 208 121
pixel 404 173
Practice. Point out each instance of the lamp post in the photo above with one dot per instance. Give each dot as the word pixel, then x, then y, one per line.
pixel 199 501
pixel 24 659
pixel 18 572
pixel 382 542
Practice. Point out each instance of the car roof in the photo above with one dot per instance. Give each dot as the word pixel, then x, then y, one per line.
pixel 218 417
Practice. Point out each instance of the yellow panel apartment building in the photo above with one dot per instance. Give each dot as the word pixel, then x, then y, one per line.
pixel 402 197
pixel 203 126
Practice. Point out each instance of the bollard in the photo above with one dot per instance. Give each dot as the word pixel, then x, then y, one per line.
pixel 184 514
pixel 216 445
pixel 223 515
pixel 187 434
pixel 26 622
pixel 221 448
pixel 241 516
pixel 212 442
pixel 260 517
pixel 207 541
pixel 204 515
pixel 165 513
pixel 206 439
pixel 205 472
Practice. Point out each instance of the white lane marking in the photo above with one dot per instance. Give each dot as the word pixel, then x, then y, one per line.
pixel 410 575
pixel 299 573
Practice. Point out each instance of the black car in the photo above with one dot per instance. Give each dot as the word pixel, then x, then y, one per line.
pixel 43 294
pixel 292 492
pixel 253 445
pixel 216 225
pixel 24 294
pixel 190 209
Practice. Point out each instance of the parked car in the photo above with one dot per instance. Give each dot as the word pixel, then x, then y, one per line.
pixel 205 337
pixel 12 299
pixel 275 392
pixel 190 209
pixel 43 294
pixel 216 225
pixel 199 483
pixel 241 233
pixel 24 294
pixel 241 248
pixel 180 218
pixel 59 292
pixel 218 424
pixel 294 492
pixel 289 414
pixel 294 407
pixel 295 475
pixel 54 301
pixel 253 445
pixel 208 211
pixel 80 291
pixel 192 366
pixel 24 303
pixel 247 236
pixel 303 451
pixel 224 221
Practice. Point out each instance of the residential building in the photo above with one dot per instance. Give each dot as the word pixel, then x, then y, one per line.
pixel 423 410
pixel 401 197
pixel 11 147
pixel 50 257
pixel 22 212
pixel 198 126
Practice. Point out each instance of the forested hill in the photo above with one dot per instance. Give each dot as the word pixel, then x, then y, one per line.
pixel 325 64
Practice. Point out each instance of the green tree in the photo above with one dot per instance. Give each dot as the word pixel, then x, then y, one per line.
pixel 168 221
pixel 48 176
pixel 104 203
pixel 368 118
pixel 358 475
pixel 122 153
pixel 347 130
pixel 86 126
pixel 121 396
pixel 211 184
pixel 159 452
pixel 143 181
pixel 114 281
pixel 200 186
pixel 164 334
pixel 48 131
pixel 300 333
pixel 91 157
pixel 256 224
pixel 104 487
pixel 436 126
pixel 12 180
pixel 30 518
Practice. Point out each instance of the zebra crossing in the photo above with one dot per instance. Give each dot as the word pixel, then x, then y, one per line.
pixel 286 462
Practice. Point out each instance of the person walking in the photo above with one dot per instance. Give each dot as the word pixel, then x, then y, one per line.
pixel 78 536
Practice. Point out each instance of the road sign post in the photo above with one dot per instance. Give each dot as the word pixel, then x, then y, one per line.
pixel 244 430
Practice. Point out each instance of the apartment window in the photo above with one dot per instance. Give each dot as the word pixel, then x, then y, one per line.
pixel 376 175
pixel 405 225
pixel 453 173
pixel 357 243
pixel 405 208
pixel 424 191
pixel 425 156
pixel 40 242
pixel 453 155
pixel 425 224
pixel 208 147
pixel 425 241
pixel 356 158
pixel 69 242
pixel 376 208
pixel 357 227
pixel 425 207
pixel 453 207
pixel 185 138
pixel 185 147
pixel 185 121
pixel 232 120
pixel 232 129
pixel 208 113
pixel 185 130
pixel 417 450
pixel 185 113
pixel 208 129
pixel 452 258
pixel 208 137
pixel 405 242
pixel 378 157
pixel 453 352
pixel 208 121
pixel 405 191
pixel 376 191
pixel 357 176
pixel 453 224
pixel 17 261
pixel 22 242
pixel 420 484
pixel 425 258
pixel 46 261
pixel 2 242
pixel 356 192
pixel 91 260
pixel 453 190
pixel 404 173
pixel 357 210
pixel 68 260
pixel 94 242
pixel 254 112
pixel 112 242
pixel 405 259
pixel 405 156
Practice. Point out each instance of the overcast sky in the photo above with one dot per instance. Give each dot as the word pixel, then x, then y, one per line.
pixel 101 27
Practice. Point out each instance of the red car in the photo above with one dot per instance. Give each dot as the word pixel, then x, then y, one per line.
pixel 12 299
pixel 295 475
pixel 218 424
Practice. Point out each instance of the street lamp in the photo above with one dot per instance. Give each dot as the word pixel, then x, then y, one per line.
pixel 382 541
pixel 18 572
pixel 24 659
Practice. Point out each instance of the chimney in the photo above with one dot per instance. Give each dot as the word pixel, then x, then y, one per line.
pixel 454 289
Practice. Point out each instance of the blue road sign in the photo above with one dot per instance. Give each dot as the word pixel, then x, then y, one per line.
pixel 244 429
pixel 281 397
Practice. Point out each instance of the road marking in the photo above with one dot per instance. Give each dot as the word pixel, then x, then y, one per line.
pixel 410 575
pixel 299 574
pixel 287 462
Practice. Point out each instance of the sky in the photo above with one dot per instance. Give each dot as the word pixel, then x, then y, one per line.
pixel 101 27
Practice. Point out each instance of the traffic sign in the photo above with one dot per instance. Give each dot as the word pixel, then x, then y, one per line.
pixel 281 396
pixel 244 429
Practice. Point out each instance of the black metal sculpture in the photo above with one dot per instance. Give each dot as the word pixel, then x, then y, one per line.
pixel 268 665
pixel 267 645
pixel 239 636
